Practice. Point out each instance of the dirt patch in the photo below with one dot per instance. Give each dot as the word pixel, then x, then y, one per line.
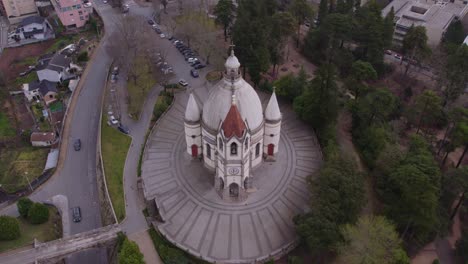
pixel 10 57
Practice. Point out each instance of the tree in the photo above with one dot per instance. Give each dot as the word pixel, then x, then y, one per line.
pixel 415 45
pixel 460 137
pixel 9 228
pixel 323 11
pixel 302 11
pixel 291 86
pixel 24 204
pixel 38 214
pixel 375 108
pixel 130 253
pixel 360 71
pixel 455 74
pixel 318 105
pixel 455 33
pixel 373 239
pixel 224 11
pixel 426 111
pixel 281 30
pixel 454 186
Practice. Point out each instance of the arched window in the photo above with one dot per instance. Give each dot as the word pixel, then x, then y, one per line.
pixel 257 150
pixel 208 151
pixel 246 143
pixel 234 149
pixel 220 143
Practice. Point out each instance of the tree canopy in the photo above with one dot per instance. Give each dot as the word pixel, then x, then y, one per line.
pixel 9 228
pixel 130 253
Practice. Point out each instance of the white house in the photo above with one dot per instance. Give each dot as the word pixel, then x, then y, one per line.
pixel 33 27
pixel 55 69
pixel 43 139
pixel 231 132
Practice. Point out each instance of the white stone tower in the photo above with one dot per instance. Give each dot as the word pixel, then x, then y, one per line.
pixel 193 128
pixel 272 128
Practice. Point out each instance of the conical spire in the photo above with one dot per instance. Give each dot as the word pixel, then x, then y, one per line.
pixel 233 123
pixel 272 111
pixel 192 112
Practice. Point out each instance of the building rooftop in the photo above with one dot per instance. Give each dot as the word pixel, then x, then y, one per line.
pixel 42 136
pixel 31 20
pixel 435 16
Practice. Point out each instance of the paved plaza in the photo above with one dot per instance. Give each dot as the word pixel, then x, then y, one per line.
pixel 199 221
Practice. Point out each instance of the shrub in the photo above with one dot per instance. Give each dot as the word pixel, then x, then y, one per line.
pixel 130 253
pixel 82 57
pixel 160 107
pixel 24 204
pixel 9 228
pixel 38 214
pixel 171 255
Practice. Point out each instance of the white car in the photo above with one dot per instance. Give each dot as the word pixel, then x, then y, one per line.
pixel 104 1
pixel 162 36
pixel 113 120
pixel 183 82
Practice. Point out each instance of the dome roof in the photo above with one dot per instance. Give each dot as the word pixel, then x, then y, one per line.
pixel 192 112
pixel 218 104
pixel 272 111
pixel 232 62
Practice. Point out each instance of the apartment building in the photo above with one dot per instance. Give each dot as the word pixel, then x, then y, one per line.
pixel 17 10
pixel 72 13
pixel 434 15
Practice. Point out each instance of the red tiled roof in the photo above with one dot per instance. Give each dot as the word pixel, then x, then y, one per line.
pixel 233 123
pixel 42 136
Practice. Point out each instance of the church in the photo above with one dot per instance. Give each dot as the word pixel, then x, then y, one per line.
pixel 231 133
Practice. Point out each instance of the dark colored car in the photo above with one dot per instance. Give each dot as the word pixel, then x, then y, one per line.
pixel 199 66
pixel 123 129
pixel 158 30
pixel 76 213
pixel 194 73
pixel 77 145
pixel 150 21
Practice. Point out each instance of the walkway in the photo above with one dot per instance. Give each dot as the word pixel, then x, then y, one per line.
pixel 61 247
pixel 197 220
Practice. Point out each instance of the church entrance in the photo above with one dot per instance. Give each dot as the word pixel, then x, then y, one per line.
pixel 194 151
pixel 271 149
pixel 234 190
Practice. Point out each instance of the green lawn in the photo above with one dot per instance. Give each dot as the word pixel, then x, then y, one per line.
pixel 114 146
pixel 137 92
pixel 6 130
pixel 62 42
pixel 18 163
pixel 48 231
pixel 32 76
pixel 28 61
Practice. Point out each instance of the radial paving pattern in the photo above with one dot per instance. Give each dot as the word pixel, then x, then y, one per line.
pixel 196 219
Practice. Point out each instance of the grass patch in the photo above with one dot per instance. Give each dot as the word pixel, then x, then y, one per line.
pixel 214 76
pixel 18 163
pixel 43 123
pixel 6 130
pixel 114 147
pixel 170 253
pixel 28 61
pixel 30 77
pixel 139 87
pixel 61 42
pixel 50 230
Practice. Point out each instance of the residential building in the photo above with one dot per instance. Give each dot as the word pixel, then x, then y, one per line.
pixel 43 139
pixel 16 10
pixel 33 27
pixel 54 68
pixel 434 15
pixel 72 13
pixel 41 89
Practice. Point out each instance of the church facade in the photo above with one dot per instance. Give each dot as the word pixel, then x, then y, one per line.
pixel 231 132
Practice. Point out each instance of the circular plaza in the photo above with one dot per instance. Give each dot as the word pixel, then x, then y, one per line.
pixel 198 220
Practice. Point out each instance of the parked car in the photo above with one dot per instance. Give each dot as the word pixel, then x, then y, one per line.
pixel 123 129
pixel 162 35
pixel 398 56
pixel 150 21
pixel 199 66
pixel 389 52
pixel 194 73
pixel 77 145
pixel 125 8
pixel 170 38
pixel 113 120
pixel 183 82
pixel 195 63
pixel 113 78
pixel 157 30
pixel 76 213
pixel 192 60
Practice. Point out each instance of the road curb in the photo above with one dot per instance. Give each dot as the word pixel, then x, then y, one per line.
pixel 99 146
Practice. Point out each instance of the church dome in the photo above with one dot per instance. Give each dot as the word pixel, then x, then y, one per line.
pixel 219 101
